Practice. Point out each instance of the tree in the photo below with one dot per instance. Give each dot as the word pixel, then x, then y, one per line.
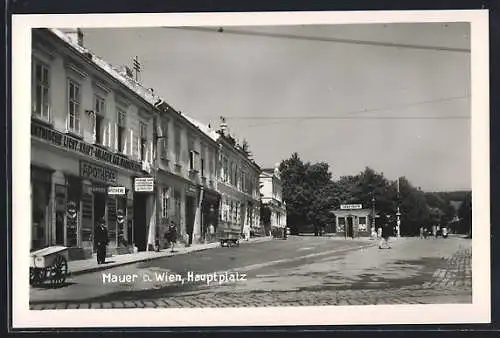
pixel 465 214
pixel 295 193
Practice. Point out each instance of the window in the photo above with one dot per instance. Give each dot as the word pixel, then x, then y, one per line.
pixel 202 161
pixel 73 106
pixel 164 202
pixel 120 135
pixel 193 160
pixel 177 136
pixel 40 95
pixel 144 140
pixel 100 113
pixel 164 140
pixel 362 224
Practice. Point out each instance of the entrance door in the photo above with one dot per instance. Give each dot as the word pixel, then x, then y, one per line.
pixel 140 221
pixel 350 230
pixel 190 217
pixel 99 210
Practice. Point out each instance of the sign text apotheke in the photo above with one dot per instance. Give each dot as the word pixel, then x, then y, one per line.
pixel 97 173
pixel 116 190
pixel 350 206
pixel 72 143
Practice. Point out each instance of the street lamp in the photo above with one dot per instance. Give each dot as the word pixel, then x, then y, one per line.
pixel 373 214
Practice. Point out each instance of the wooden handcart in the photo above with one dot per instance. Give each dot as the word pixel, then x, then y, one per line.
pixel 229 238
pixel 49 265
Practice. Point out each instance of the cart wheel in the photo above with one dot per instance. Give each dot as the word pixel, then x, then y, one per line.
pixel 37 276
pixel 58 271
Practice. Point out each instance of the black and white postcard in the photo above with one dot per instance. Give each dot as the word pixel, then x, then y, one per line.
pixel 313 168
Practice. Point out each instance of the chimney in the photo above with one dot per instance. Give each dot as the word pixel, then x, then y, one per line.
pixel 223 125
pixel 75 35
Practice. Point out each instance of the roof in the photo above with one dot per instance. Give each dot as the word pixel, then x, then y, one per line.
pixel 342 212
pixel 203 127
pixel 137 88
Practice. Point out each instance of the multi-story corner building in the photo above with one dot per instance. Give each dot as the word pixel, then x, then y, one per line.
pixel 94 133
pixel 272 198
pixel 238 184
pixel 90 138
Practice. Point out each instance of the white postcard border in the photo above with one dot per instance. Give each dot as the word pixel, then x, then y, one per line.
pixel 477 312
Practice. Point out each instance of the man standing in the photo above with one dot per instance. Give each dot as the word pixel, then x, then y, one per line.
pixel 102 240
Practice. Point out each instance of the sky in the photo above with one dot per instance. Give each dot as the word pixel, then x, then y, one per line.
pixel 270 85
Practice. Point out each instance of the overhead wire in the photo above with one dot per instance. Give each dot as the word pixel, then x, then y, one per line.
pixel 353 115
pixel 322 39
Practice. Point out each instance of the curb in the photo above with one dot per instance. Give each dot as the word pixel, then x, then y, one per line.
pixel 148 259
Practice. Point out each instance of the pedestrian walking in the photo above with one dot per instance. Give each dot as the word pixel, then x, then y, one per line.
pixel 434 231
pixel 171 235
pixel 211 232
pixel 421 232
pixel 101 236
pixel 387 232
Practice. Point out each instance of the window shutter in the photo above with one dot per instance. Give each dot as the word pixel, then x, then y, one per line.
pixel 129 143
pixel 150 151
pixel 138 149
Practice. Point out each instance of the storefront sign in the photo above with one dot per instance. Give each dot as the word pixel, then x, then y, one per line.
pixel 116 190
pixel 97 173
pixel 350 206
pixel 144 184
pixel 73 144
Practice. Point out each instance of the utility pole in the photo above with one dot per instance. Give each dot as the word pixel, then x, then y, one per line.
pixel 398 215
pixel 373 214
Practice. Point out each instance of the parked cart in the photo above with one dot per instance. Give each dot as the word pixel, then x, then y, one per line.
pixel 49 265
pixel 228 237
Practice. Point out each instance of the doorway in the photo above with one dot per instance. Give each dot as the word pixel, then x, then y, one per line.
pixel 99 210
pixel 140 221
pixel 190 203
pixel 350 226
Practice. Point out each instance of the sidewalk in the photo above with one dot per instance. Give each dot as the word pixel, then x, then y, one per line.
pixel 90 265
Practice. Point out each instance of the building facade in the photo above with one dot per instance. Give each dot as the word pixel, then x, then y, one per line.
pixel 95 133
pixel 90 138
pixel 187 174
pixel 272 199
pixel 238 184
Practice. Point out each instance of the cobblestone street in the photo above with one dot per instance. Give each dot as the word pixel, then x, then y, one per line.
pixel 413 272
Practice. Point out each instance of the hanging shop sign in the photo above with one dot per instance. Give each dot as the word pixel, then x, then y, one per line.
pixel 116 190
pixel 78 146
pixel 98 173
pixel 350 206
pixel 144 184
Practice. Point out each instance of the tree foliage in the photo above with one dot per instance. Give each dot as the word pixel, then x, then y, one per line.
pixel 311 196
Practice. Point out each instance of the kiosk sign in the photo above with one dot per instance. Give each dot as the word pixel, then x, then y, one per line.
pixel 351 206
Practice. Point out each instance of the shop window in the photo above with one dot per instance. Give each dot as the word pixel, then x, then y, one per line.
pixel 41 91
pixel 74 193
pixel 74 98
pixel 121 221
pixel 362 224
pixel 40 197
pixel 341 224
